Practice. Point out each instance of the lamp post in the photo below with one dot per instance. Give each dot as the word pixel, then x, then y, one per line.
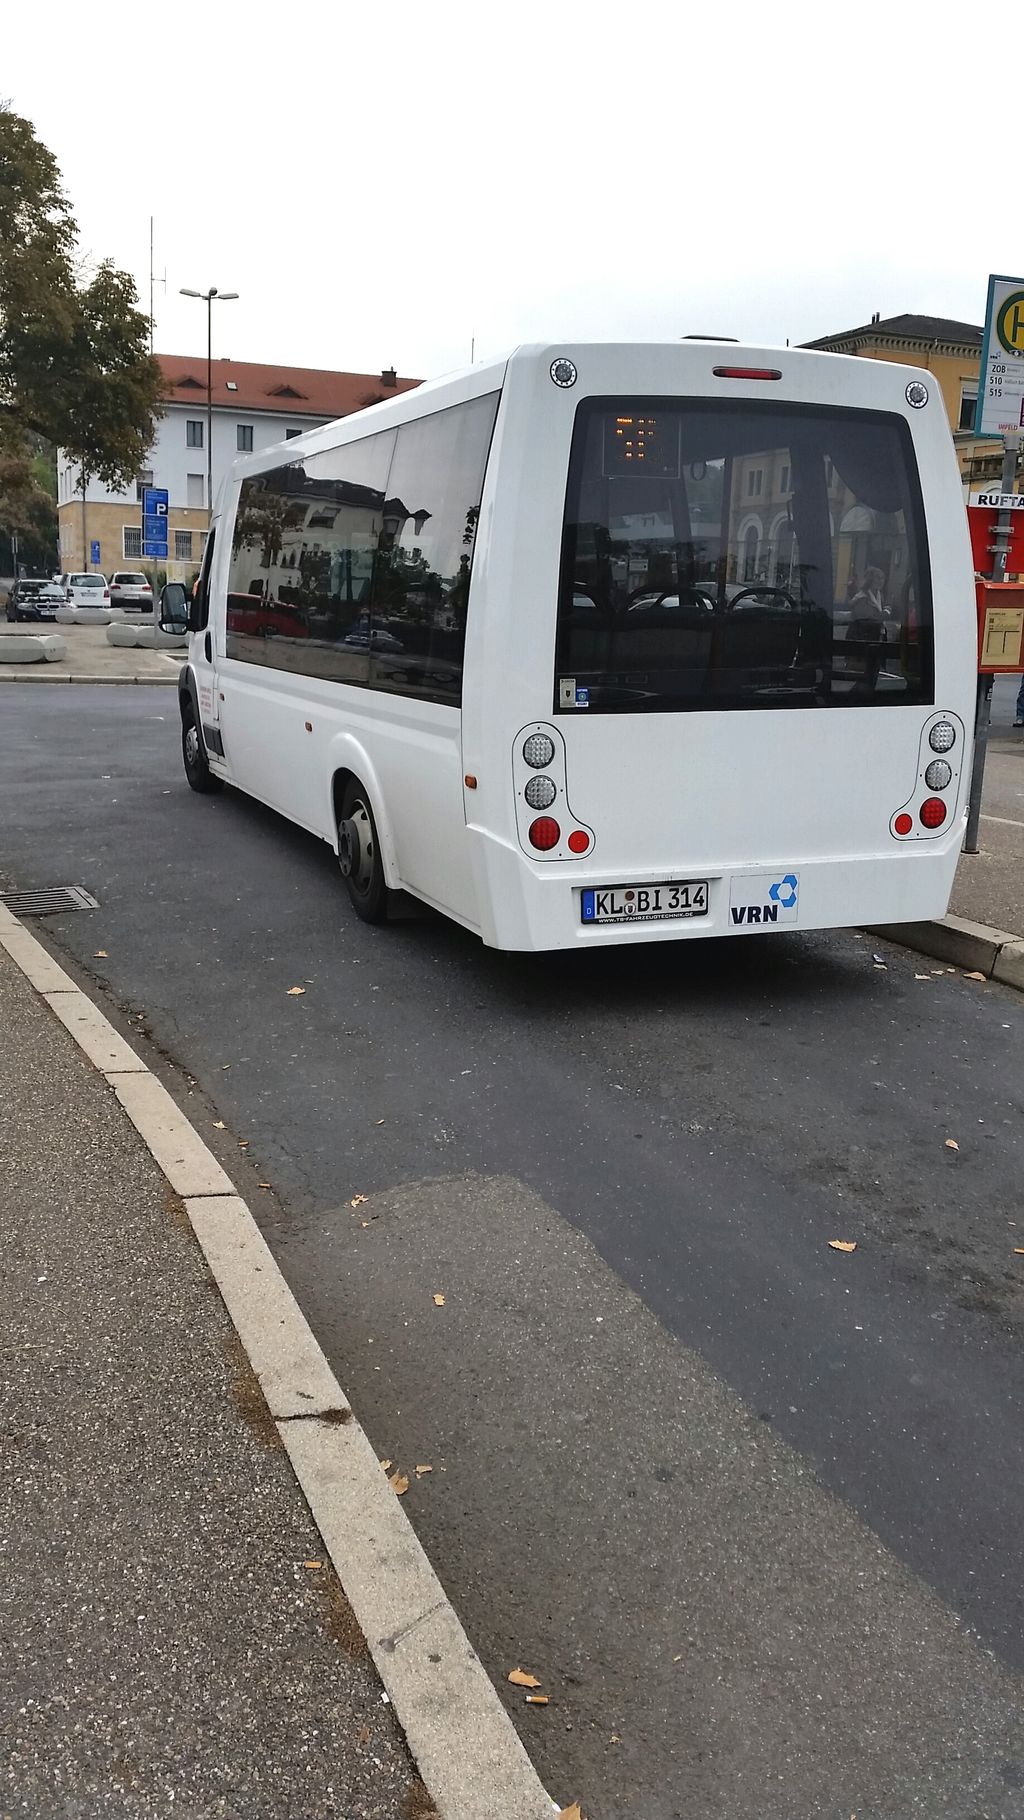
pixel 207 297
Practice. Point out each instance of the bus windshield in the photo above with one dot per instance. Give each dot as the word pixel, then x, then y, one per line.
pixel 722 555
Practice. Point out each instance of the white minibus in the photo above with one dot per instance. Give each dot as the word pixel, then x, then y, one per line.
pixel 605 643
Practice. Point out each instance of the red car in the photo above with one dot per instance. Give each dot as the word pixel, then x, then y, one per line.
pixel 264 618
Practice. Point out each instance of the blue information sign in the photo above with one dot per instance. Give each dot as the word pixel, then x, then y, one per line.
pixel 154 522
pixel 94 551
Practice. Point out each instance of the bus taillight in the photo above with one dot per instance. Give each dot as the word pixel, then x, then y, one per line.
pixel 932 812
pixel 545 833
pixel 578 841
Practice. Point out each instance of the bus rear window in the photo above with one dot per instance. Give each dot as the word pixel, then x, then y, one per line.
pixel 724 555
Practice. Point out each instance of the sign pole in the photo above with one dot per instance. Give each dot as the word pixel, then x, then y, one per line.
pixel 1000 411
pixel 983 702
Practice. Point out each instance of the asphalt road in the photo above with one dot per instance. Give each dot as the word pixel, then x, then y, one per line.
pixel 749 1507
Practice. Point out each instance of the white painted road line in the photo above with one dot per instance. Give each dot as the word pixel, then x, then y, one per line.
pixel 1005 821
pixel 466 1748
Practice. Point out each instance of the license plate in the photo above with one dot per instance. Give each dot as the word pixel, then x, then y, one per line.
pixel 645 903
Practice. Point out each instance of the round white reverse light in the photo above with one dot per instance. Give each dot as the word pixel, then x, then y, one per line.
pixel 938 774
pixel 563 372
pixel 942 736
pixel 917 394
pixel 540 792
pixel 539 750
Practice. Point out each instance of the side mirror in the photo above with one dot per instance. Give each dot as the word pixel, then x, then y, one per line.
pixel 174 614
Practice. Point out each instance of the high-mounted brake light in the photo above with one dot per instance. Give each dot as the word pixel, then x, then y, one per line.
pixel 747 373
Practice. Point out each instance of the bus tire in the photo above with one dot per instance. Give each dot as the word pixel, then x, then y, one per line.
pixel 359 855
pixel 197 769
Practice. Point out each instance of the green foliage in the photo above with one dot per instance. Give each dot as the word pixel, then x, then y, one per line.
pixel 75 367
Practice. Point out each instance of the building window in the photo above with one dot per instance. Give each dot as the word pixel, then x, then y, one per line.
pixel 194 490
pixel 183 546
pixel 203 535
pixel 968 407
pixel 193 433
pixel 145 479
pixel 784 480
pixel 290 435
pixel 243 437
pixel 131 542
pixel 755 481
pixel 750 543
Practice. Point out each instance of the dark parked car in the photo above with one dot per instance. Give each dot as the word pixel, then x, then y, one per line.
pixel 35 600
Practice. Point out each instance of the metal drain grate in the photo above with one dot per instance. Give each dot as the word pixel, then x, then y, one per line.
pixel 48 903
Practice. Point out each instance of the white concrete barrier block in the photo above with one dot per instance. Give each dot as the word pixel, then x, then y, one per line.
pixel 32 648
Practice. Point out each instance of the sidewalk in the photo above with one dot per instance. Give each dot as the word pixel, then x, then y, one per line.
pixel 89 659
pixel 990 884
pixel 167 1647
pixel 984 930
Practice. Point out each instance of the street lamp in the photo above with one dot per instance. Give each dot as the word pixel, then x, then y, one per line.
pixel 207 297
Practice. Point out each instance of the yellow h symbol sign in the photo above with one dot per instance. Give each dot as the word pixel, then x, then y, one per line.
pixel 1010 324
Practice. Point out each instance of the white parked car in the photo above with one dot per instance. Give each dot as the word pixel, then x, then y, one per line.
pixel 132 590
pixel 86 590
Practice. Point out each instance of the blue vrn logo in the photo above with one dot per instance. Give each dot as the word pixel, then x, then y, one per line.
pixel 784 892
pixel 782 895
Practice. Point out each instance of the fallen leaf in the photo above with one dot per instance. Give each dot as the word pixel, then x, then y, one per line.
pixel 219 1125
pixel 439 1301
pixel 420 1470
pixel 951 1144
pixel 358 1200
pixel 975 976
pixel 520 1678
pixel 312 1565
pixel 243 1143
pixel 537 1699
pixel 296 991
pixel 100 955
pixel 364 1224
pixel 842 1244
pixel 575 1812
pixel 1018 1251
pixel 399 1484
pixel 387 1465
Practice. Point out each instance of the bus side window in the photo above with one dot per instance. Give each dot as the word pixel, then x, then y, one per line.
pixel 201 596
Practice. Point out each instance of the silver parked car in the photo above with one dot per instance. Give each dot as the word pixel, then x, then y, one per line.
pixel 132 590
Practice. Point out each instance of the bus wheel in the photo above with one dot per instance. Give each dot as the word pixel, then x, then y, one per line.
pixel 197 770
pixel 359 856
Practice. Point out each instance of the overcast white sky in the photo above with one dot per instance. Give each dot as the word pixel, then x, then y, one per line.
pixel 383 183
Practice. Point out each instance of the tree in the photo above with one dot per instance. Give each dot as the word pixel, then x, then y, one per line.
pixel 75 367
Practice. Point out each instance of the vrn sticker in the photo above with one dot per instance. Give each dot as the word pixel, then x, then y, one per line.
pixel 759 900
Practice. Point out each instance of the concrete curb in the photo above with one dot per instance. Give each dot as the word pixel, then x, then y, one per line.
pixel 976 946
pixel 467 1750
pixel 45 675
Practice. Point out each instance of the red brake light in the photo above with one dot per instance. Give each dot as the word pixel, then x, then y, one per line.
pixel 545 833
pixel 932 812
pixel 903 823
pixel 747 373
pixel 106 593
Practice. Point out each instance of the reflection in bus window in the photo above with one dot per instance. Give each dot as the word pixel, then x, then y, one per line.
pixel 799 527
